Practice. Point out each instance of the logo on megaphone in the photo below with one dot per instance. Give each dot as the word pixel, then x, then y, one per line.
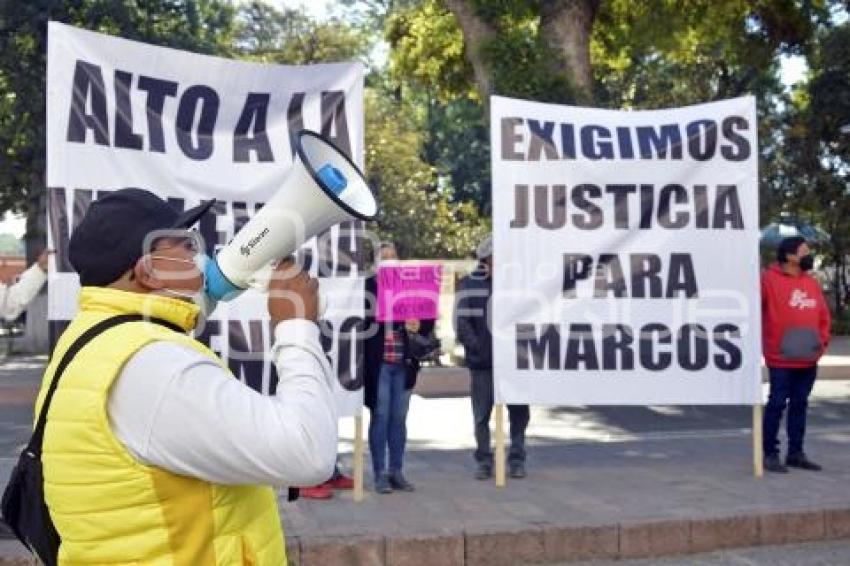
pixel 322 189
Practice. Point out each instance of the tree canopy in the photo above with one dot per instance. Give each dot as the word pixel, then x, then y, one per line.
pixel 433 63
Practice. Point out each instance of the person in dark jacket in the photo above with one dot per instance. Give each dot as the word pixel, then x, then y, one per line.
pixel 472 326
pixel 795 334
pixel 391 368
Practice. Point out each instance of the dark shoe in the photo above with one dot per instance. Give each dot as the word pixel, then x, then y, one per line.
pixel 382 484
pixel 484 472
pixel 802 462
pixel 772 463
pixel 517 470
pixel 397 481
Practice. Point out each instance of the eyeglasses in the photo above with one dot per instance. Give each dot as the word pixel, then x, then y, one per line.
pixel 161 240
pixel 164 240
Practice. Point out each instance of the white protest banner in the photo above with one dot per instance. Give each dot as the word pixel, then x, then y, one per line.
pixel 626 254
pixel 191 128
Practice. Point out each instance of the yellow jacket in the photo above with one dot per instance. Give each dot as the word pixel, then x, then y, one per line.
pixel 109 507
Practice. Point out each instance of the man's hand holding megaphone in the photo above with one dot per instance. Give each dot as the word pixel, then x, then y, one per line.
pixel 293 293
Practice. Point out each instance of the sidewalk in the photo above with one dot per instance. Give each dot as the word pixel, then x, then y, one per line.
pixel 603 483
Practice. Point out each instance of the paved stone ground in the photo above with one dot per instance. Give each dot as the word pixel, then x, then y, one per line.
pixel 809 554
pixel 604 483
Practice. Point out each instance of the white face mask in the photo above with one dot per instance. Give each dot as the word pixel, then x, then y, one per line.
pixel 200 298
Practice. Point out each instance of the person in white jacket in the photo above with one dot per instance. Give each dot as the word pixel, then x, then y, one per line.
pixel 15 296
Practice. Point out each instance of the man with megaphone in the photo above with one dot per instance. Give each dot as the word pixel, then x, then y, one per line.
pixel 153 452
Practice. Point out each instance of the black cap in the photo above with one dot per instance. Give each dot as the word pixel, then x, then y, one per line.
pixel 111 236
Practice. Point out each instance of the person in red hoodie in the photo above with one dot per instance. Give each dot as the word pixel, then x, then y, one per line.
pixel 795 334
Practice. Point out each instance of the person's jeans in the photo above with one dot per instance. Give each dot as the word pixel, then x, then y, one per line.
pixel 788 386
pixel 482 405
pixel 388 427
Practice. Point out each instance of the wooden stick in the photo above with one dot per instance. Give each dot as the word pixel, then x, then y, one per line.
pixel 758 435
pixel 358 458
pixel 500 445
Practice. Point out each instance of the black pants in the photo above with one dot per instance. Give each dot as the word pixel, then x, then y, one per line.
pixel 482 406
pixel 791 387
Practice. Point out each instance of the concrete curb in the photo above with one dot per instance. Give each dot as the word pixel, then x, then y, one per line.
pixel 552 543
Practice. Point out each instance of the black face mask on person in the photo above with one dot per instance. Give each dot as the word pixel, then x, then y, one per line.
pixel 807 262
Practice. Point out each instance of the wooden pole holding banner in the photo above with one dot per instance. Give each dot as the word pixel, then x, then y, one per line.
pixel 500 445
pixel 758 452
pixel 358 458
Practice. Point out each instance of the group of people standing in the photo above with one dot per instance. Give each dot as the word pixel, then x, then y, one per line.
pixel 796 333
pixel 186 455
pixel 393 355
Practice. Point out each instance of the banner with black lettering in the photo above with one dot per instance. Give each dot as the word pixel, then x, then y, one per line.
pixel 189 128
pixel 626 261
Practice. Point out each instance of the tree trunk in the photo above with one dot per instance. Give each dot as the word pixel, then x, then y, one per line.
pixel 476 34
pixel 565 25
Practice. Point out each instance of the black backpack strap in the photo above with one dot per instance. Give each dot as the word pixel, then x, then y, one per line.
pixel 37 438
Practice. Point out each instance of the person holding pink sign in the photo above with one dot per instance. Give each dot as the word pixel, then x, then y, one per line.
pixel 394 348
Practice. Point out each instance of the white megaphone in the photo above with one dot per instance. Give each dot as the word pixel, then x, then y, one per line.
pixel 323 188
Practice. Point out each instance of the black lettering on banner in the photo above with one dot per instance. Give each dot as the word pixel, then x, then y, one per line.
pixel 246 354
pixel 740 148
pixel 730 358
pixel 196 141
pixel 124 135
pixel 679 196
pixel 520 207
pixel 666 142
pixel 647 195
pixel 596 142
pixel 325 251
pixel 701 208
pixel 250 134
pixel 158 90
pixel 208 227
pixel 681 277
pixel 624 141
pixel 550 213
pixel 576 268
pixel 617 341
pixel 692 347
pixel 295 118
pixel 727 208
pixel 334 121
pixel 351 249
pixel 580 348
pixel 531 351
pixel 240 216
pixel 702 139
pixel 621 204
pixel 645 269
pixel 210 328
pixel 88 87
pixel 350 350
pixel 609 277
pixel 646 343
pixel 568 141
pixel 541 140
pixel 61 227
pixel 592 217
pixel 510 138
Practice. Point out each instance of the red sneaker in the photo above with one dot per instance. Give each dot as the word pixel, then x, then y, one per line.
pixel 321 491
pixel 340 482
